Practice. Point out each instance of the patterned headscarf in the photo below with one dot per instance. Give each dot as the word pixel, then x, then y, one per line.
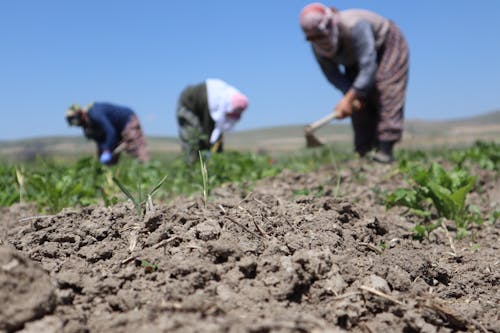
pixel 320 25
pixel 74 115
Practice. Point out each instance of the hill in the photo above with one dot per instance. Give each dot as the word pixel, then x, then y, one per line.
pixel 418 133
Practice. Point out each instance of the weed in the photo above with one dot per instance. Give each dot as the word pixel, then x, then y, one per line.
pixel 139 200
pixel 204 175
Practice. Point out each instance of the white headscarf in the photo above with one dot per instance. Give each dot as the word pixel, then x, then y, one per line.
pixel 220 97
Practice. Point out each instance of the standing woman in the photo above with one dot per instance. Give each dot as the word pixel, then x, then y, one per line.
pixel 365 56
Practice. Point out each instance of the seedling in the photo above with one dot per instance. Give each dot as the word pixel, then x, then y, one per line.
pixel 148 266
pixel 204 175
pixel 20 182
pixel 139 200
pixel 422 231
pixel 336 192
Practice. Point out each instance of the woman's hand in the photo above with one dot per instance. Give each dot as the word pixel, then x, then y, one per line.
pixel 347 105
pixel 343 109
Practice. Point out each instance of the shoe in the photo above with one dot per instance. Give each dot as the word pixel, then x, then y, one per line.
pixel 381 157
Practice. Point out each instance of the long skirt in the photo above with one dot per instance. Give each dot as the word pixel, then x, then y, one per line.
pixel 134 140
pixel 382 118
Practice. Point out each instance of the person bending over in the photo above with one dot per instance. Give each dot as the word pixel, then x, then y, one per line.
pixel 365 56
pixel 205 111
pixel 114 128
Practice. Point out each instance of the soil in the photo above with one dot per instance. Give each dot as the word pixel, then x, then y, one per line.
pixel 314 252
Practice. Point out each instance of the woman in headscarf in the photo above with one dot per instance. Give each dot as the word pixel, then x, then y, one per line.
pixel 205 111
pixel 113 128
pixel 366 57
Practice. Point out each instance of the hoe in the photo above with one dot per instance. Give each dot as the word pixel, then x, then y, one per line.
pixel 311 140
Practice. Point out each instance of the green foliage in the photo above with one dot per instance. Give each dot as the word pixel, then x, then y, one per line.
pixel 308 160
pixel 436 188
pixel 10 192
pixel 485 154
pixel 55 186
pixel 236 166
pixel 140 199
pixel 423 230
pixel 318 192
pixel 495 216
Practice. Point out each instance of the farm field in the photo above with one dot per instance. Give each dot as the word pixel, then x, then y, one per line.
pixel 315 241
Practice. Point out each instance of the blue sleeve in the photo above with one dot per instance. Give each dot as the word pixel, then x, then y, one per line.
pixel 333 74
pixel 98 116
pixel 364 47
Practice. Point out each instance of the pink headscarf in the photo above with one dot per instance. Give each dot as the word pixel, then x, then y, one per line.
pixel 320 24
pixel 239 101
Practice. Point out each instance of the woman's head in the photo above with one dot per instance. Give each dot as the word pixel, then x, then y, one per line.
pixel 314 19
pixel 239 103
pixel 74 115
pixel 319 24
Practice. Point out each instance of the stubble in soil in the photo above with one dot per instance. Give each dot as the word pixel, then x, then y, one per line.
pixel 268 260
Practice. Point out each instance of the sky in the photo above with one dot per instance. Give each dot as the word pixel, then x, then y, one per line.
pixel 141 54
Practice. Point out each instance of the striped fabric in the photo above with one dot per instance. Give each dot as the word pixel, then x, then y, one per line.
pixel 382 119
pixel 134 140
pixel 391 82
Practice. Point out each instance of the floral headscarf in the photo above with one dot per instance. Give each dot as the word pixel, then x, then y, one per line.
pixel 320 25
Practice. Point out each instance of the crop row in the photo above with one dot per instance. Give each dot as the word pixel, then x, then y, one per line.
pixel 431 191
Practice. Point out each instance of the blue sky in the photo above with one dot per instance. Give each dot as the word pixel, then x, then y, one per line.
pixel 143 53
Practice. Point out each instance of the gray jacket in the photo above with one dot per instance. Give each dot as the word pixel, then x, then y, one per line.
pixel 362 34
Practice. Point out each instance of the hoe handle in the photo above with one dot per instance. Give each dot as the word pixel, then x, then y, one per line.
pixel 320 122
pixel 326 119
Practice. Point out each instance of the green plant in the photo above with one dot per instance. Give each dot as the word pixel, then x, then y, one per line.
pixel 436 188
pixel 494 216
pixel 423 230
pixel 485 154
pixel 10 192
pixel 53 186
pixel 140 199
pixel 302 191
pixel 20 181
pixel 204 176
pixel 148 266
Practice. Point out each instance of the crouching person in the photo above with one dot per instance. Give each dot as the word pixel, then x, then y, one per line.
pixel 113 128
pixel 205 111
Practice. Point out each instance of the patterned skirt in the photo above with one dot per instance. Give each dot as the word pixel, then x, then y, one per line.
pixel 134 140
pixel 382 119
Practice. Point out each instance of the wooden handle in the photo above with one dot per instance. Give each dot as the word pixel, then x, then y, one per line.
pixel 121 147
pixel 356 105
pixel 320 122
